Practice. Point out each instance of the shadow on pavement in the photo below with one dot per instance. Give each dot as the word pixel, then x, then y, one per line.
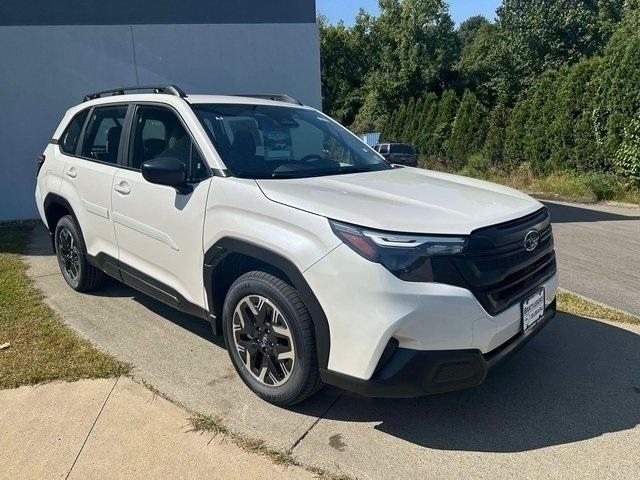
pixel 577 380
pixel 568 213
pixel 195 325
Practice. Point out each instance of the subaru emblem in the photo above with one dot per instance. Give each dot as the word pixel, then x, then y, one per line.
pixel 531 240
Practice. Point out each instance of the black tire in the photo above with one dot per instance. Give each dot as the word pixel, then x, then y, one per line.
pixel 77 272
pixel 304 376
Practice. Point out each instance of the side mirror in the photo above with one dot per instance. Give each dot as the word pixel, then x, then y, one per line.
pixel 167 171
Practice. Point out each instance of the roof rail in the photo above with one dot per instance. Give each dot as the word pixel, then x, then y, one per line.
pixel 165 89
pixel 276 98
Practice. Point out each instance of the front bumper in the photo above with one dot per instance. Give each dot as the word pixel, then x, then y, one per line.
pixel 414 373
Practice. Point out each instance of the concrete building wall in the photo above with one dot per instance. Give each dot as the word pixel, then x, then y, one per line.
pixel 47 68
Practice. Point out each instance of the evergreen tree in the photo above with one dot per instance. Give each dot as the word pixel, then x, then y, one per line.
pixel 447 109
pixel 468 132
pixel 493 149
pixel 514 154
pixel 542 98
pixel 427 121
pixel 405 133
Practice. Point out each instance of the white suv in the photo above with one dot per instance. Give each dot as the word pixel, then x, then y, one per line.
pixel 318 260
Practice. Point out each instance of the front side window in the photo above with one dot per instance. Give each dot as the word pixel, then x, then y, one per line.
pixel 384 149
pixel 157 133
pixel 102 136
pixel 69 139
pixel 260 141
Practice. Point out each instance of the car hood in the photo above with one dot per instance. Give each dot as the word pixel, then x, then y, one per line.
pixel 403 200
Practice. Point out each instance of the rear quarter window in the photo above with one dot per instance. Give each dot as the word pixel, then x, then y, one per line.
pixel 69 139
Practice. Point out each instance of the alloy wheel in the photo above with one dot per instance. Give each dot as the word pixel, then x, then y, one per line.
pixel 68 254
pixel 263 340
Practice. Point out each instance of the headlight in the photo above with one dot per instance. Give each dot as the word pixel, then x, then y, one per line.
pixel 406 256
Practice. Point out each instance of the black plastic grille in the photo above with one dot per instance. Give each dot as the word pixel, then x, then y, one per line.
pixel 496 266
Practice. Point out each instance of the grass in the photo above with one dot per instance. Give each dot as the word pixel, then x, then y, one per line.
pixel 215 426
pixel 577 305
pixel 583 187
pixel 42 348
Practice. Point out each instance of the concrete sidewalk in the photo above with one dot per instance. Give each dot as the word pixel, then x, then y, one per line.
pixel 112 429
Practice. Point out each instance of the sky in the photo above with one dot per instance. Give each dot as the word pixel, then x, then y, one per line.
pixel 460 9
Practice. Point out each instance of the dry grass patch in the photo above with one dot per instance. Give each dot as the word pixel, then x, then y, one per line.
pixel 42 348
pixel 215 426
pixel 577 305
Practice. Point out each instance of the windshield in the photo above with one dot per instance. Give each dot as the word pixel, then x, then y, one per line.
pixel 258 141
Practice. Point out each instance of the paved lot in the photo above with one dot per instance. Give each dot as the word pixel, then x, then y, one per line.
pixel 599 252
pixel 567 406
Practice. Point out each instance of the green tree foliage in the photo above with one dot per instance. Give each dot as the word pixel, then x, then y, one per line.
pixel 627 159
pixel 468 132
pixel 618 87
pixel 417 49
pixel 427 121
pixel 493 149
pixel 446 114
pixel 551 83
pixel 475 65
pixel 536 35
pixel 572 135
pixel 347 56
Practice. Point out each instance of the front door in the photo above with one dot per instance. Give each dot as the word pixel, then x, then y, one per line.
pixel 158 230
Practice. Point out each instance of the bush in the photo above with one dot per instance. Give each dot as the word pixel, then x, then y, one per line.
pixel 604 186
pixel 627 159
pixel 477 167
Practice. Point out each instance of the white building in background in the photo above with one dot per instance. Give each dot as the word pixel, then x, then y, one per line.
pixel 52 53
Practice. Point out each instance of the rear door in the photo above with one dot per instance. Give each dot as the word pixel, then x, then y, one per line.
pixel 159 231
pixel 88 177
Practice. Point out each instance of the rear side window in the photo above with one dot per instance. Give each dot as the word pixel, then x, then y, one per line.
pixel 402 148
pixel 102 136
pixel 384 149
pixel 69 140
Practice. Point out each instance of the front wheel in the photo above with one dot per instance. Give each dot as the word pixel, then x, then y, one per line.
pixel 270 340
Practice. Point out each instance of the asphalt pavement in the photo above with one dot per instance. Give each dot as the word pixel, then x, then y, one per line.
pixel 598 251
pixel 566 406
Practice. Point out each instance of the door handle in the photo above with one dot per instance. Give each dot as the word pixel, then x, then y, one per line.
pixel 123 188
pixel 72 172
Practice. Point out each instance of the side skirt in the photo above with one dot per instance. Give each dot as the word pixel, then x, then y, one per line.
pixel 147 285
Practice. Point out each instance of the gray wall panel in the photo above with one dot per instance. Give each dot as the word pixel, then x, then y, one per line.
pixel 137 12
pixel 46 70
pixel 231 59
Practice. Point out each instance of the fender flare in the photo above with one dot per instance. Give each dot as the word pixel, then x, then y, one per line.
pixel 53 198
pixel 229 245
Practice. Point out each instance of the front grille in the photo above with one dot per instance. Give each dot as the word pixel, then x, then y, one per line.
pixel 496 266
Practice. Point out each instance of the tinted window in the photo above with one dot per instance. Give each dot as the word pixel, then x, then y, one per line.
pixel 402 148
pixel 384 149
pixel 102 137
pixel 157 132
pixel 260 141
pixel 69 140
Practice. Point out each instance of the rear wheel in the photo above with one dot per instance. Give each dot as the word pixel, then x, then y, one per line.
pixel 72 257
pixel 269 337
